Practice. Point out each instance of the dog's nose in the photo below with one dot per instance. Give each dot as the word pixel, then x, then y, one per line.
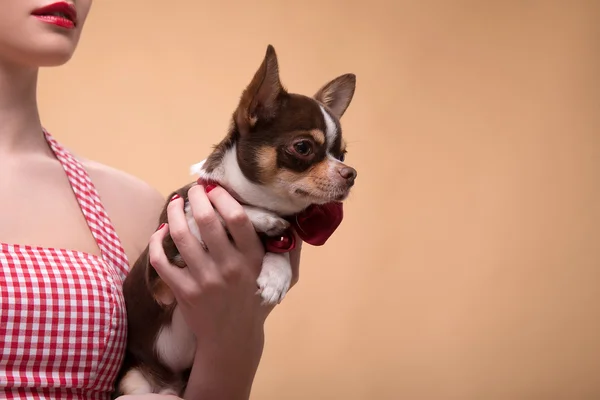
pixel 349 174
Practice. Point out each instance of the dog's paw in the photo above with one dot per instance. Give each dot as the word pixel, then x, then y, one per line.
pixel 272 290
pixel 276 225
pixel 266 222
pixel 275 278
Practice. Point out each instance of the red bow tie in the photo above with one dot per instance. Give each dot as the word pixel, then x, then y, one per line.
pixel 314 225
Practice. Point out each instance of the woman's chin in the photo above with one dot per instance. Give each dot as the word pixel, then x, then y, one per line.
pixel 55 54
pixel 48 58
pixel 45 51
pixel 54 60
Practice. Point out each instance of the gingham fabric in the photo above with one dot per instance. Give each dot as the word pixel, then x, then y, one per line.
pixel 62 313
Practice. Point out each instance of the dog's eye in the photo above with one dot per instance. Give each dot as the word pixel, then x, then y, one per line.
pixel 342 157
pixel 303 148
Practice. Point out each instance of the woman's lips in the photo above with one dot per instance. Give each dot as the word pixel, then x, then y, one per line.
pixel 61 14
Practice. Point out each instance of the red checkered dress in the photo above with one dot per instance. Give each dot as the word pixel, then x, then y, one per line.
pixel 62 314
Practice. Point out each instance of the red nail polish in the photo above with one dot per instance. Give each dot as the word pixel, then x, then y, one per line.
pixel 175 197
pixel 161 226
pixel 209 187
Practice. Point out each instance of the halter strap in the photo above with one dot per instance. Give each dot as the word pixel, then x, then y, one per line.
pixel 91 206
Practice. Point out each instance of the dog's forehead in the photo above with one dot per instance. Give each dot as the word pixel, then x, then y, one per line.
pixel 306 114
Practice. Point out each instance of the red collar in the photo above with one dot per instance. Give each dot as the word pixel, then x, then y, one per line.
pixel 314 225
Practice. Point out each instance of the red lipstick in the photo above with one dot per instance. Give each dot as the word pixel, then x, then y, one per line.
pixel 61 14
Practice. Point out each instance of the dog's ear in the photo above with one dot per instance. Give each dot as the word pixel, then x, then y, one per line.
pixel 260 100
pixel 337 94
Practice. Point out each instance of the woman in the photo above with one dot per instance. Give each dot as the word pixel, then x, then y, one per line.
pixel 69 228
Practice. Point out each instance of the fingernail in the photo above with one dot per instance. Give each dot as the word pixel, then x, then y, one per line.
pixel 161 226
pixel 175 197
pixel 209 187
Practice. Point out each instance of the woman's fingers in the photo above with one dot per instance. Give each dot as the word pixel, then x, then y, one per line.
pixel 211 229
pixel 238 224
pixel 187 244
pixel 174 277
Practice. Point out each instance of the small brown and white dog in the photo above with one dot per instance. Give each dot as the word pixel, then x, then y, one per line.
pixel 283 153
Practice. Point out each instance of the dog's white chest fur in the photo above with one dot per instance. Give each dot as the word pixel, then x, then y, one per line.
pixel 176 344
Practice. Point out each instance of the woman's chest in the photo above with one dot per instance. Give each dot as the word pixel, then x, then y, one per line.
pixel 39 208
pixel 62 319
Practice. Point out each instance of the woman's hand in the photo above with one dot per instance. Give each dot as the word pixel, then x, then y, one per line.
pixel 217 292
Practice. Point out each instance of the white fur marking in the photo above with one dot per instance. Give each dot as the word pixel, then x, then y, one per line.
pixel 332 132
pixel 275 277
pixel 176 343
pixel 196 169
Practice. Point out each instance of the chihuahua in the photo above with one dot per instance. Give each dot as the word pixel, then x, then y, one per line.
pixel 284 152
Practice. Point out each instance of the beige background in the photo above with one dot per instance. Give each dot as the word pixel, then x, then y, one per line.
pixel 468 266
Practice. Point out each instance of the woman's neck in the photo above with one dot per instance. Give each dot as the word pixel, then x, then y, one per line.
pixel 20 125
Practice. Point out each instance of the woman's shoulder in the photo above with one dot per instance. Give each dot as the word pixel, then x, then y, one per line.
pixel 132 204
